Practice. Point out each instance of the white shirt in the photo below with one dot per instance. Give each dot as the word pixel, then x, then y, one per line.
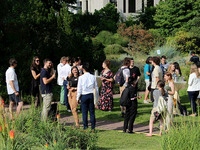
pixel 193 83
pixel 65 71
pixel 126 74
pixel 11 76
pixel 59 80
pixel 86 84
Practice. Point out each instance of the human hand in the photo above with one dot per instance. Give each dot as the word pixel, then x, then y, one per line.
pixel 17 93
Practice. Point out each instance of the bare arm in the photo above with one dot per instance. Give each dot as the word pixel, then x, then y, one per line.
pixel 13 87
pixel 137 79
pixel 46 81
pixel 171 84
pixel 34 74
pixel 148 73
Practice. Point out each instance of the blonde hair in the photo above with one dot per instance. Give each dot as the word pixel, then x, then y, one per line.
pixel 194 69
pixel 62 59
pixel 170 68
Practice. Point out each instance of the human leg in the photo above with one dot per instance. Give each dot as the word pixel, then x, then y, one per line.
pixel 11 104
pixel 127 117
pixel 123 109
pixel 73 105
pixel 147 81
pixel 85 107
pixel 133 114
pixel 62 93
pixel 169 117
pixel 92 111
pixel 47 98
pixel 66 95
pixel 192 96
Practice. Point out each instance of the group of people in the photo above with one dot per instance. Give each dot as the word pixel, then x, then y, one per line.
pixel 77 85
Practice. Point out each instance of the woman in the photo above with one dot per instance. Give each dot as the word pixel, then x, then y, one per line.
pixel 156 94
pixel 173 71
pixel 170 89
pixel 193 88
pixel 35 71
pixel 106 96
pixel 72 93
pixel 147 73
pixel 177 68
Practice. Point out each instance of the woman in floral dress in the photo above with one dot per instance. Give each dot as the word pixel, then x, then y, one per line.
pixel 106 96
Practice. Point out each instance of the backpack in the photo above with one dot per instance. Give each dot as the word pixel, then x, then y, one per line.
pixel 119 78
pixel 125 99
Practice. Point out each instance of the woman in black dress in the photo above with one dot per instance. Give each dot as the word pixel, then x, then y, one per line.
pixel 106 96
pixel 35 71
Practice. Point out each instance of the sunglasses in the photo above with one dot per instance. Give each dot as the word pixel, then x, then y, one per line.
pixel 37 60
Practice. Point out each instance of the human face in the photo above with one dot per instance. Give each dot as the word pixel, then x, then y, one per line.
pixel 64 62
pixel 104 65
pixel 163 60
pixel 132 63
pixel 37 61
pixel 75 71
pixel 166 78
pixel 48 64
pixel 173 68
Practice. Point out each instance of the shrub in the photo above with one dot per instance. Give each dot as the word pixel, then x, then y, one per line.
pixel 105 37
pixel 114 49
pixel 123 41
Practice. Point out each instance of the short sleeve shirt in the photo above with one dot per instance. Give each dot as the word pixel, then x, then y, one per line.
pixel 194 59
pixel 11 76
pixel 157 73
pixel 126 73
pixel 147 68
pixel 45 88
pixel 135 72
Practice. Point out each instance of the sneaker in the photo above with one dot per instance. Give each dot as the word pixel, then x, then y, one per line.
pixel 69 110
pixel 78 110
pixel 146 102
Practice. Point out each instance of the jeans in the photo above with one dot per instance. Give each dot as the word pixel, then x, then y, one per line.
pixel 47 98
pixel 66 94
pixel 87 103
pixel 193 97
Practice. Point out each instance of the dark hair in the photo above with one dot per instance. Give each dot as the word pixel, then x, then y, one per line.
pixel 126 61
pixel 86 66
pixel 72 69
pixel 176 65
pixel 33 65
pixel 68 59
pixel 156 60
pixel 148 60
pixel 192 52
pixel 12 61
pixel 161 84
pixel 45 60
pixel 163 57
pixel 107 62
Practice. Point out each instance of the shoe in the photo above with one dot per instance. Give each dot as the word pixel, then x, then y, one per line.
pixel 148 135
pixel 124 131
pixel 110 111
pixel 69 110
pixel 78 110
pixel 193 115
pixel 130 132
pixel 146 102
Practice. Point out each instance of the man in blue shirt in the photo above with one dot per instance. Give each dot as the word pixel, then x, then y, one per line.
pixel 194 58
pixel 164 65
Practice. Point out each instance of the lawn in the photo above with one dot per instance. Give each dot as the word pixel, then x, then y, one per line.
pixel 113 139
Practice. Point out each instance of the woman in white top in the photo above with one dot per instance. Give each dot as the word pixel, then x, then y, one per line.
pixel 193 88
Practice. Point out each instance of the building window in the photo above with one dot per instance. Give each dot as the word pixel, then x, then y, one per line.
pixel 132 8
pixel 86 5
pixel 150 3
pixel 124 6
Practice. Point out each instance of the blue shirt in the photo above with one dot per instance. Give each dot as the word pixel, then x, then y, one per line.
pixel 45 88
pixel 147 68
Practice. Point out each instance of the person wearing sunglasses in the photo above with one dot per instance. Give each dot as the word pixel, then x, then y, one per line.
pixel 35 71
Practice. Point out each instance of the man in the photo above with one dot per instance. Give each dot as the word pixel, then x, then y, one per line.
pixel 46 88
pixel 157 75
pixel 60 80
pixel 164 65
pixel 86 84
pixel 194 58
pixel 13 88
pixel 65 71
pixel 135 73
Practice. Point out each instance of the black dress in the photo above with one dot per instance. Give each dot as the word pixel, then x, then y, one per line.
pixel 35 83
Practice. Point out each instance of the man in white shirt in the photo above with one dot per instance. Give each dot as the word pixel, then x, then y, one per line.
pixel 65 71
pixel 60 80
pixel 13 87
pixel 86 84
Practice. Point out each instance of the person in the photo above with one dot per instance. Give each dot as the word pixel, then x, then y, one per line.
pixel 46 88
pixel 60 80
pixel 157 75
pixel 177 68
pixel 35 71
pixel 147 74
pixel 198 66
pixel 77 63
pixel 134 72
pixel 156 94
pixel 164 65
pixel 170 90
pixel 193 88
pixel 106 96
pixel 194 58
pixel 173 71
pixel 126 75
pixel 65 71
pixel 13 88
pixel 131 108
pixel 72 92
pixel 86 84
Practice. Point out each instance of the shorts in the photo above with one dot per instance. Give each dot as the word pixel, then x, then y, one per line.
pixel 147 81
pixel 153 117
pixel 14 98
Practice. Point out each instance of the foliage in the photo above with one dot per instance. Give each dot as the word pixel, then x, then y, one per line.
pixel 194 24
pixel 186 42
pixel 171 15
pixel 140 39
pixel 114 49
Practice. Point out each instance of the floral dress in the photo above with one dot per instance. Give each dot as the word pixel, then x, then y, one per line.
pixel 106 96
